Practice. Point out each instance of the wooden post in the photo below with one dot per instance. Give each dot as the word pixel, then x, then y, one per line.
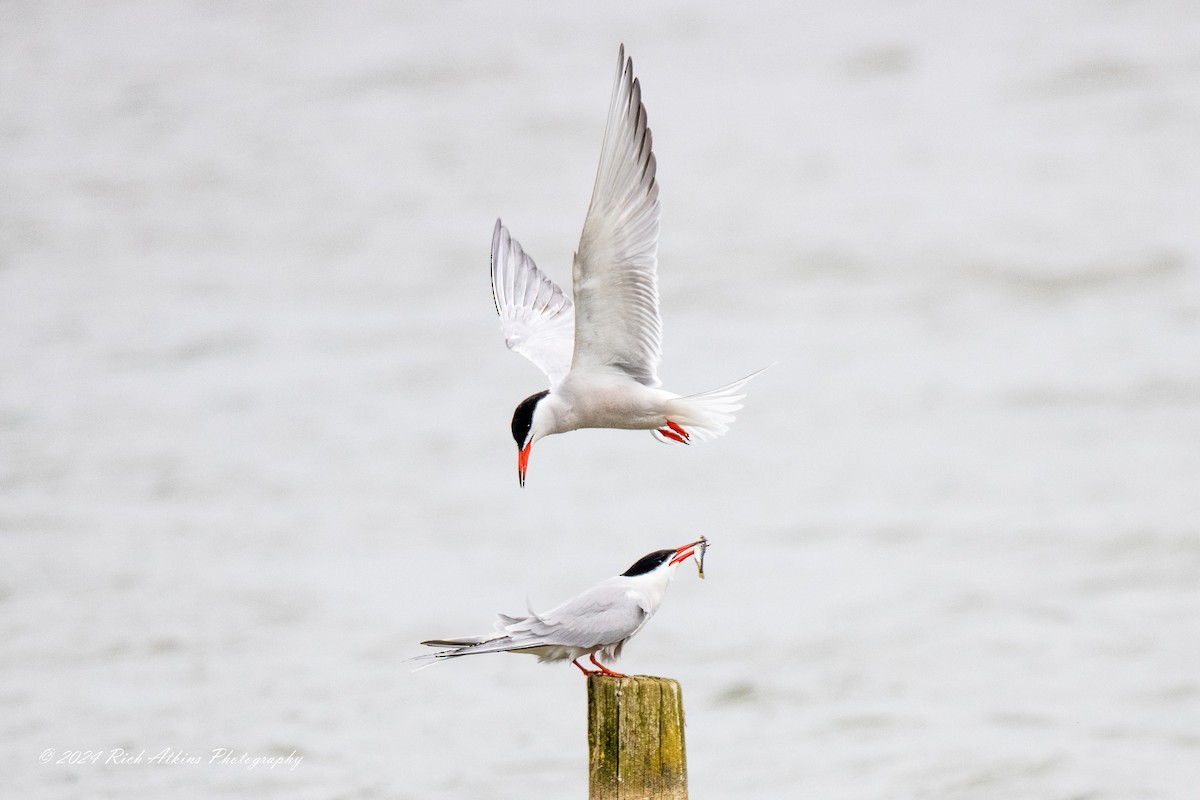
pixel 635 739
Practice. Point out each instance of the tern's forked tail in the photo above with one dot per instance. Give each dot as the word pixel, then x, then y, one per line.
pixel 706 415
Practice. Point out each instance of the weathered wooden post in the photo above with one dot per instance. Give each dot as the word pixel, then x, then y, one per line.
pixel 635 739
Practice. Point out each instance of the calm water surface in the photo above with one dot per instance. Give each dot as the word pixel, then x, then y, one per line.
pixel 254 403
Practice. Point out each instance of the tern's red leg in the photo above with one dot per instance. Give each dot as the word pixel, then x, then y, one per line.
pixel 584 669
pixel 603 668
pixel 673 431
pixel 678 430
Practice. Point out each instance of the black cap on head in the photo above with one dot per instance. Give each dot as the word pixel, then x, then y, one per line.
pixel 648 563
pixel 522 419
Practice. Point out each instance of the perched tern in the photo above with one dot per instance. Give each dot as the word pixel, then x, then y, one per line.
pixel 602 352
pixel 596 623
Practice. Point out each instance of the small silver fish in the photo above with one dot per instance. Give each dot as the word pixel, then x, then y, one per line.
pixel 703 546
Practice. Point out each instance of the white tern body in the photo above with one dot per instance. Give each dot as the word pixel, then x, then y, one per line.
pixel 596 623
pixel 601 352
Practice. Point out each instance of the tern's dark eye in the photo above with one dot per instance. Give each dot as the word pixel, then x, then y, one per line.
pixel 522 419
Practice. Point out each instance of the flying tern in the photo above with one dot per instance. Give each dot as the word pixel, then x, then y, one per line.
pixel 601 352
pixel 596 623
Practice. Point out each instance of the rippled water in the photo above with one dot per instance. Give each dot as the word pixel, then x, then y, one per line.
pixel 254 404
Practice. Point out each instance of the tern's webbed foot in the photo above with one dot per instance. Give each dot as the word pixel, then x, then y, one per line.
pixel 603 669
pixel 675 433
pixel 584 669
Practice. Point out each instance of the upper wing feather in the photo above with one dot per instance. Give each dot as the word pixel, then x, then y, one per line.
pixel 617 323
pixel 537 319
pixel 604 614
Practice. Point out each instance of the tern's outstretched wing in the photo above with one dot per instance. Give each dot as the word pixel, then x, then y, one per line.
pixel 616 282
pixel 537 319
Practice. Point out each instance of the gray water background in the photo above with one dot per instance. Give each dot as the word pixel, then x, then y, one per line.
pixel 254 404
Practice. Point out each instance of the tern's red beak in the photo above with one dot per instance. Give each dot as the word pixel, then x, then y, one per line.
pixel 684 553
pixel 523 461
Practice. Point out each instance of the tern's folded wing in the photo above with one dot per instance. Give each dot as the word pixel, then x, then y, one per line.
pixel 603 615
pixel 537 319
pixel 617 322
